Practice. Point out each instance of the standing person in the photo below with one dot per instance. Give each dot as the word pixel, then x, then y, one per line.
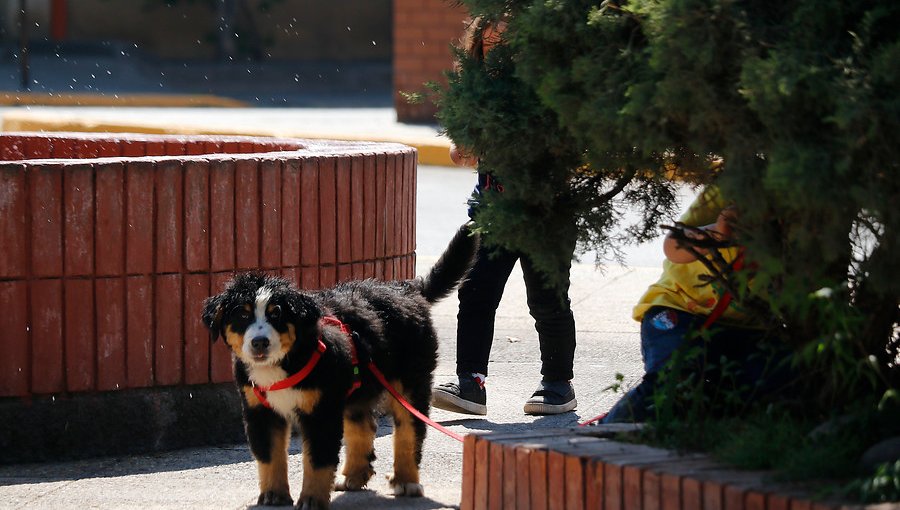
pixel 480 294
pixel 479 297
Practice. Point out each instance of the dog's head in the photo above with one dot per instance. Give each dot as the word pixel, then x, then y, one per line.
pixel 261 317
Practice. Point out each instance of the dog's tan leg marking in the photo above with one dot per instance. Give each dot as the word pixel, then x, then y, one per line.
pixel 308 400
pixel 273 475
pixel 317 483
pixel 406 471
pixel 359 438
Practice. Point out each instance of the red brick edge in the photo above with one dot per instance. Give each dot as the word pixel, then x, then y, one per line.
pixel 112 241
pixel 579 469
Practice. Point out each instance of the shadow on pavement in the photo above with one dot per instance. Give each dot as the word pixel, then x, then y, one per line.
pixel 111 467
pixel 371 499
pixel 474 425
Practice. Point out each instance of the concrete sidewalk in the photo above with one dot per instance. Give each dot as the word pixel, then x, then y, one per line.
pixel 225 476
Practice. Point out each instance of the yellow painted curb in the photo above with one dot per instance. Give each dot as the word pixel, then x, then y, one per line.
pixel 437 155
pixel 87 99
pixel 430 152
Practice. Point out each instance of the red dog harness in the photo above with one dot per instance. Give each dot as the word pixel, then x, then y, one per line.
pixel 260 391
pixel 290 382
pixel 354 359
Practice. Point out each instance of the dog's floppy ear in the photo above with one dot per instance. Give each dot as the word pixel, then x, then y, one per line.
pixel 302 309
pixel 212 316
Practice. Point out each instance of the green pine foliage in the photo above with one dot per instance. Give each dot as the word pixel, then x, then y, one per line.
pixel 590 107
pixel 490 110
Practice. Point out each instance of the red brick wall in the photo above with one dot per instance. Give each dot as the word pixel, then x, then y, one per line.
pixel 423 33
pixel 106 260
pixel 582 468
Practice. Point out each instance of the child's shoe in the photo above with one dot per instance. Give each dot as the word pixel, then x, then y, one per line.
pixel 552 397
pixel 468 396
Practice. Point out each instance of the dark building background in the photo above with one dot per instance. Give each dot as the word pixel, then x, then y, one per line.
pixel 283 29
pixel 393 45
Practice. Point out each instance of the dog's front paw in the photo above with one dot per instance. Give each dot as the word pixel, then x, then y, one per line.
pixel 408 489
pixel 274 498
pixel 350 484
pixel 311 503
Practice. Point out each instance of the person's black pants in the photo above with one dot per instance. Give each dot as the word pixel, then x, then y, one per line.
pixel 479 297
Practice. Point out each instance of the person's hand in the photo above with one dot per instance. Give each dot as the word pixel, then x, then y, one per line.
pixel 723 229
pixel 461 157
pixel 493 35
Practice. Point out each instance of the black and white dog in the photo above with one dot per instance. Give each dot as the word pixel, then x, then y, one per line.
pixel 301 358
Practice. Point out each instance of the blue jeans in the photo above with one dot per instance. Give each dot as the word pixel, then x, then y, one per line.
pixel 665 330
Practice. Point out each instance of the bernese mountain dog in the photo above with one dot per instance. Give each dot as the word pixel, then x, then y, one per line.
pixel 302 357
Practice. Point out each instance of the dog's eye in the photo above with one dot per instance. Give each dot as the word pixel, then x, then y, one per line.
pixel 275 313
pixel 241 313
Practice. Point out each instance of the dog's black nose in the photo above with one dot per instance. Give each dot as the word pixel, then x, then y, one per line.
pixel 260 343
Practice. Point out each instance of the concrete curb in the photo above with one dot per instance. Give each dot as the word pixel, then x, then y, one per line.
pixel 594 467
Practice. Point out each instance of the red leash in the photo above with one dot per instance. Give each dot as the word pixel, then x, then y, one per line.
pixel 592 420
pixel 384 382
pixel 409 407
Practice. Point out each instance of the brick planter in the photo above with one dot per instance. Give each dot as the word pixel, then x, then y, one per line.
pixel 111 243
pixel 583 469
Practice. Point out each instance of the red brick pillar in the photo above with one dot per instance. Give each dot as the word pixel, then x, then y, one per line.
pixel 423 33
pixel 111 242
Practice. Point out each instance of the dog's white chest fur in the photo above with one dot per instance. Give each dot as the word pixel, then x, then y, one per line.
pixel 285 402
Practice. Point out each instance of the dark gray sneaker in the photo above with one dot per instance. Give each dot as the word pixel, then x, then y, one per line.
pixel 468 396
pixel 552 397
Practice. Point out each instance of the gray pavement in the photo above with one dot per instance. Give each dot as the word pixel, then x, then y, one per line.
pixel 225 476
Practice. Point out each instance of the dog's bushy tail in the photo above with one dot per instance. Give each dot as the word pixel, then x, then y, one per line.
pixel 453 265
